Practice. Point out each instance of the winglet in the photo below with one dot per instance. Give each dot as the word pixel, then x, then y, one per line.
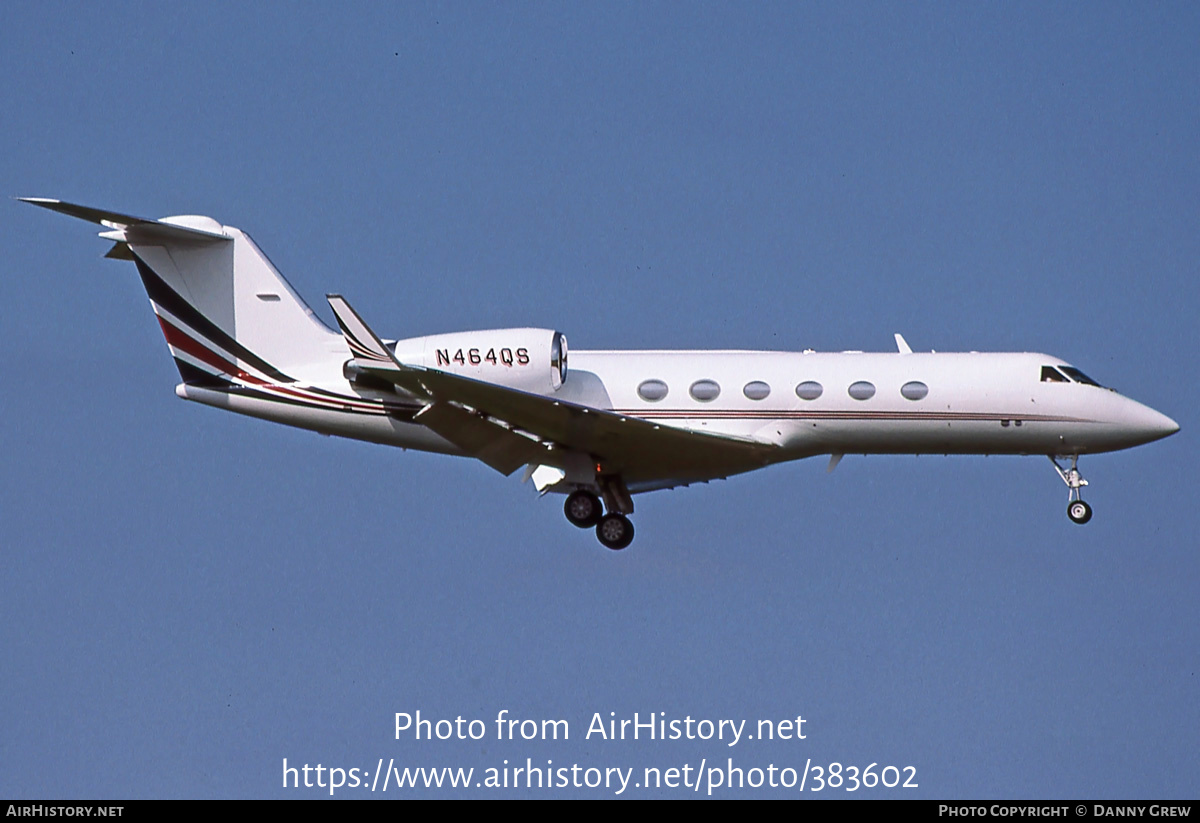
pixel 368 350
pixel 902 344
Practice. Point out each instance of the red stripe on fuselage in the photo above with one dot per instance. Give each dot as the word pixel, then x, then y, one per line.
pixel 180 340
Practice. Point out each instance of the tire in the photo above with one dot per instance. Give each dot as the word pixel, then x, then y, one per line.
pixel 1079 511
pixel 615 531
pixel 583 509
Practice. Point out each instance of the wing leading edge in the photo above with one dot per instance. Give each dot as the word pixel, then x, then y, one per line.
pixel 507 428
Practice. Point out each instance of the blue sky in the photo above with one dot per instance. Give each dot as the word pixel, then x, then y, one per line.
pixel 190 597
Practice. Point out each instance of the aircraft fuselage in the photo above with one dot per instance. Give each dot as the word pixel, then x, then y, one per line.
pixel 917 403
pixel 598 426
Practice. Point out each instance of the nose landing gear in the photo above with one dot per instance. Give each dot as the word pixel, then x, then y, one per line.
pixel 1079 511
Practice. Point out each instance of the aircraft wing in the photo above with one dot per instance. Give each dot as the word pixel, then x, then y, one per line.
pixel 507 428
pixel 635 449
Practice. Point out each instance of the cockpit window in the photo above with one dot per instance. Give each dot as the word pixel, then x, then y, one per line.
pixel 1053 375
pixel 1078 376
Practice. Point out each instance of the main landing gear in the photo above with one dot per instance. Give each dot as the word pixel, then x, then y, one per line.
pixel 584 509
pixel 615 531
pixel 1077 510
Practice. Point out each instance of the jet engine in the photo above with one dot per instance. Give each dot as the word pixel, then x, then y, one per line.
pixel 533 360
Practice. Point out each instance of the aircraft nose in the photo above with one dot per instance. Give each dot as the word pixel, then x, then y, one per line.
pixel 1151 425
pixel 1166 425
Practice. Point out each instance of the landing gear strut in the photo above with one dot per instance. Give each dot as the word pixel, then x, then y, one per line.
pixel 1079 511
pixel 614 530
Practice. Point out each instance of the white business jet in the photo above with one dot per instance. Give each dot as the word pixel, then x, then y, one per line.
pixel 613 424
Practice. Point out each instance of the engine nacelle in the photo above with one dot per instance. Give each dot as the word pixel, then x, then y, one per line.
pixel 533 360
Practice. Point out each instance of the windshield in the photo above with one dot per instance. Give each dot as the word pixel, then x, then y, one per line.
pixel 1078 376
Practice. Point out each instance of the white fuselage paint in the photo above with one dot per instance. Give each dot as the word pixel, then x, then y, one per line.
pixel 970 398
pixel 977 403
pixel 244 341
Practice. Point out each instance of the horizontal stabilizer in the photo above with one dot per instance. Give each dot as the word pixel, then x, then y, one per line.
pixel 139 228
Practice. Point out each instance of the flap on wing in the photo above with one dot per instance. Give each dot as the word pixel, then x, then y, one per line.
pixel 497 446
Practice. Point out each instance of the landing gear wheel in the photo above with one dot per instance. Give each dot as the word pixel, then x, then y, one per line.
pixel 583 509
pixel 615 531
pixel 1079 511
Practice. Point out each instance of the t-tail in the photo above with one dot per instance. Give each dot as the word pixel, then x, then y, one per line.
pixel 227 314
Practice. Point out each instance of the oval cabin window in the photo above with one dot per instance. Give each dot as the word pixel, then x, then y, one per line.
pixel 809 390
pixel 914 390
pixel 862 390
pixel 756 390
pixel 652 390
pixel 705 390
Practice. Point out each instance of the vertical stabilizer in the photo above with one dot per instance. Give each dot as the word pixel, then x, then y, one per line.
pixel 223 307
pixel 228 299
